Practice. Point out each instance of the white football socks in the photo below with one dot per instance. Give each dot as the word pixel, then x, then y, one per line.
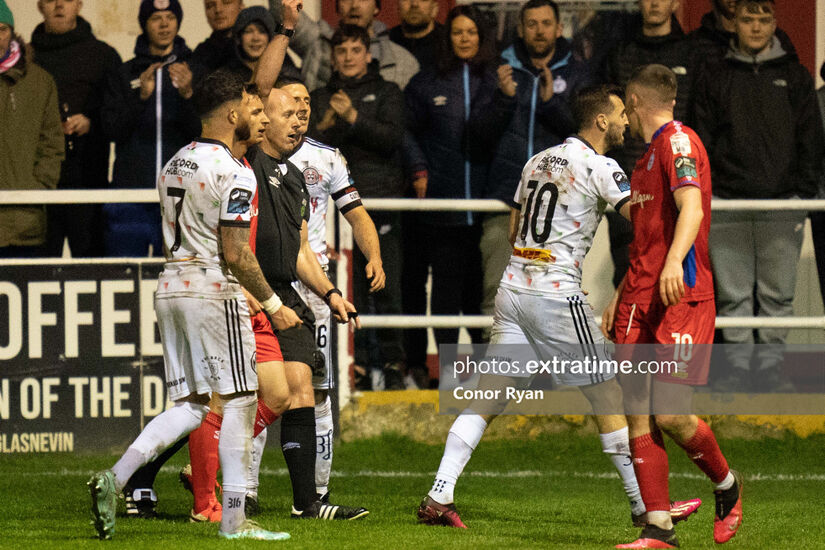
pixel 462 439
pixel 617 446
pixel 235 450
pixel 252 480
pixel 164 430
pixel 323 445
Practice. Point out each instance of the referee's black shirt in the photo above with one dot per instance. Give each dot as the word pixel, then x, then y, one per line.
pixel 283 204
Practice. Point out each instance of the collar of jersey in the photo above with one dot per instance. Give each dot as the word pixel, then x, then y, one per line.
pixel 660 130
pixel 587 143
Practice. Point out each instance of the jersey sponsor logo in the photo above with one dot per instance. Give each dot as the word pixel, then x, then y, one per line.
pixel 621 181
pixel 182 168
pixel 640 198
pixel 550 163
pixel 534 254
pixel 685 167
pixel 239 201
pixel 440 100
pixel 680 144
pixel 311 176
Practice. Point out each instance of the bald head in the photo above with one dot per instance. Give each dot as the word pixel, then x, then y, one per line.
pixel 282 134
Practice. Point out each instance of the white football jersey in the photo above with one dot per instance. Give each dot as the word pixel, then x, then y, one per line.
pixel 201 188
pixel 326 175
pixel 561 195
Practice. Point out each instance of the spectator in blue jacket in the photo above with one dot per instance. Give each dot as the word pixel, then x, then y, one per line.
pixel 450 114
pixel 539 77
pixel 148 113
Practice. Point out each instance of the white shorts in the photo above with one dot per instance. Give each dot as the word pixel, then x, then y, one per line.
pixel 551 325
pixel 208 345
pixel 322 376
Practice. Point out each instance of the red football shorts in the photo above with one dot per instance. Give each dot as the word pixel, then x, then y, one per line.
pixel 678 327
pixel 267 347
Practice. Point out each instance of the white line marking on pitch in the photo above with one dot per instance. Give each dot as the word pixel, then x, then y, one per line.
pixel 280 472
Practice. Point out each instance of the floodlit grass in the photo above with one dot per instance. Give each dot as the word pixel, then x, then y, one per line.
pixel 553 492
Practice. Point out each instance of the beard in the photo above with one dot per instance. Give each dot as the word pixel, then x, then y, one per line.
pixel 414 27
pixel 615 136
pixel 537 53
pixel 243 132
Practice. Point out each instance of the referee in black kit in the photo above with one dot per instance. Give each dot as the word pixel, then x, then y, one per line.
pixel 284 255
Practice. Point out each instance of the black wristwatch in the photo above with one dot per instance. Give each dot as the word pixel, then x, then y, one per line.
pixel 280 29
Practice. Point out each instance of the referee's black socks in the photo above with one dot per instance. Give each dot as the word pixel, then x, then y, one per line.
pixel 298 445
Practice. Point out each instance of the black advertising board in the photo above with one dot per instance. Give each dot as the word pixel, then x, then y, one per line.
pixel 81 366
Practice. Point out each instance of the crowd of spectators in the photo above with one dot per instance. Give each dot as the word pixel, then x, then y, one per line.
pixel 420 110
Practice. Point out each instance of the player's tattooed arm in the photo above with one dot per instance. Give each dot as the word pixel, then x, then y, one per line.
pixel 242 262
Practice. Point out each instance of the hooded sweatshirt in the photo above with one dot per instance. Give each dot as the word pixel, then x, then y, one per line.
pixel 758 118
pixel 79 64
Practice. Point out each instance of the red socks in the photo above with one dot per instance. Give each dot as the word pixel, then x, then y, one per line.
pixel 263 418
pixel 650 464
pixel 203 455
pixel 705 453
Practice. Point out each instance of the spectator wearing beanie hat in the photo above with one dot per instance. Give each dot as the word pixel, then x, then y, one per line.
pixel 253 30
pixel 148 113
pixel 31 141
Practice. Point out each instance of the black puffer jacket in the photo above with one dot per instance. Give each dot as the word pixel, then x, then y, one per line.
pixel 454 150
pixel 532 125
pixel 674 51
pixel 213 53
pixel 80 65
pixel 758 119
pixel 372 146
pixel 131 122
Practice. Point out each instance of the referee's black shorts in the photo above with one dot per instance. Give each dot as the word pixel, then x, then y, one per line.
pixel 297 343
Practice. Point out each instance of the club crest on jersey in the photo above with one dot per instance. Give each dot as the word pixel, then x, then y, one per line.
pixel 311 176
pixel 559 85
pixel 239 201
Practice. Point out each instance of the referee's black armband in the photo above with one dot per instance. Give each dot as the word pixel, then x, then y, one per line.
pixel 330 292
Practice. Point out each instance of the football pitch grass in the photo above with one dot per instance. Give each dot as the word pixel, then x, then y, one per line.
pixel 551 492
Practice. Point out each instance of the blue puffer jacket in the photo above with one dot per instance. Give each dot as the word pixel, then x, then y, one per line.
pixel 452 127
pixel 533 125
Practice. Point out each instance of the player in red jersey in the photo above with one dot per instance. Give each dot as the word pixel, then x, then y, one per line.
pixel 667 298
